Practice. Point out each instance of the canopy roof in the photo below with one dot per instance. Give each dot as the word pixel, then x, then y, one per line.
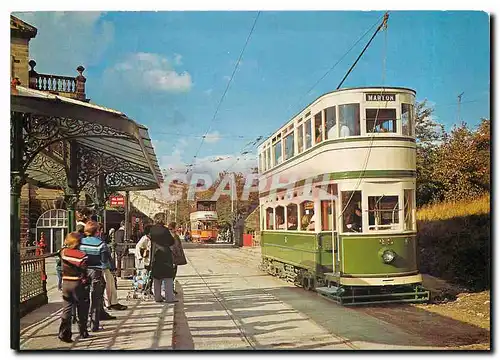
pixel 107 142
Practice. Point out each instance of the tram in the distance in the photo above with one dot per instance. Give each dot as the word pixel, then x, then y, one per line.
pixel 338 209
pixel 204 221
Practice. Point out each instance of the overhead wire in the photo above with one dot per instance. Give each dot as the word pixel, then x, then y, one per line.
pixel 227 86
pixel 325 74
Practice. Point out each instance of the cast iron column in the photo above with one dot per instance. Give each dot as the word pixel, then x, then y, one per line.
pixel 16 182
pixel 72 198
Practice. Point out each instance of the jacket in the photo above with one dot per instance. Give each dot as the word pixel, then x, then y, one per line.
pixel 162 265
pixel 97 251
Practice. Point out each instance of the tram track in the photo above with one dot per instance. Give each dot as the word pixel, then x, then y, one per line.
pixel 228 312
pixel 248 258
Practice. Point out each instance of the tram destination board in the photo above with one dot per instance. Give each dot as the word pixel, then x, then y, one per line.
pixel 380 97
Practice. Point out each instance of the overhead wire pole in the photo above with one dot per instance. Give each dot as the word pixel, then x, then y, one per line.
pixel 382 25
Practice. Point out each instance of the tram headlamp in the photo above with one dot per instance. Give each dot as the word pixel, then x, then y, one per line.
pixel 388 256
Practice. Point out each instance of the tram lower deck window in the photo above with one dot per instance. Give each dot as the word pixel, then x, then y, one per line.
pixel 383 212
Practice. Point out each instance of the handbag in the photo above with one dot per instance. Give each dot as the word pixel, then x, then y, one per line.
pixel 178 256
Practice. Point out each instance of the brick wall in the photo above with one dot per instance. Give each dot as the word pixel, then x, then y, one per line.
pixel 19 49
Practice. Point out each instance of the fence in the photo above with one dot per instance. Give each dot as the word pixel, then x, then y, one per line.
pixel 33 283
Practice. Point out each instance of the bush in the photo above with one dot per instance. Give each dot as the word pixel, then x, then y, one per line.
pixel 454 242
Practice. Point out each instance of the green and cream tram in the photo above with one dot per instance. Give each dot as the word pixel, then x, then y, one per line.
pixel 337 197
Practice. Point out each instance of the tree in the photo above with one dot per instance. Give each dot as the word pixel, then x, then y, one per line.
pixel 429 135
pixel 464 162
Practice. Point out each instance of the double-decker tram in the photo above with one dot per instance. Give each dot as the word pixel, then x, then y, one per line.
pixel 204 221
pixel 338 197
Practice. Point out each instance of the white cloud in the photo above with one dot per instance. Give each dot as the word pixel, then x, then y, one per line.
pixel 153 72
pixel 212 137
pixel 226 77
pixel 208 92
pixel 66 40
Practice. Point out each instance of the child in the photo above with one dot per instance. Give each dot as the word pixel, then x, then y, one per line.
pixel 75 289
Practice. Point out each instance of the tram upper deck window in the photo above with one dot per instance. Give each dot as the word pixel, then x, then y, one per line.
pixel 383 212
pixel 407 119
pixel 268 158
pixel 300 138
pixel 278 156
pixel 351 207
pixel 349 120
pixel 289 146
pixel 308 135
pixel 318 129
pixel 380 120
pixel 330 123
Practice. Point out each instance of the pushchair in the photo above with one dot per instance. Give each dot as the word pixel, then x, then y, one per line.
pixel 142 286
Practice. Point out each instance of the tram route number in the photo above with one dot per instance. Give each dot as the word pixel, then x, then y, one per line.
pixel 380 97
pixel 386 242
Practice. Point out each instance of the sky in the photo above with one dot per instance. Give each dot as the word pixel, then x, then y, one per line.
pixel 168 70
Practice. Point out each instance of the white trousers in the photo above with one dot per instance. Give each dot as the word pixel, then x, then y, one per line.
pixel 110 294
pixel 169 289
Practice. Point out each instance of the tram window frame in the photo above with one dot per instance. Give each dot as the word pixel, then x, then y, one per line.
pixel 374 207
pixel 269 219
pixel 409 210
pixel 330 111
pixel 279 217
pixel 328 215
pixel 278 159
pixel 355 201
pixel 289 154
pixel 305 216
pixel 261 163
pixel 268 157
pixel 386 119
pixel 292 212
pixel 318 128
pixel 308 140
pixel 300 138
pixel 407 122
pixel 344 121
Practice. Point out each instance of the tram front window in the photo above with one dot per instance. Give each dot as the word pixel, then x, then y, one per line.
pixel 380 120
pixel 383 212
pixel 349 120
pixel 351 207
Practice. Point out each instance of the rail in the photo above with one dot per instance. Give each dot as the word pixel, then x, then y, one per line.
pixel 33 283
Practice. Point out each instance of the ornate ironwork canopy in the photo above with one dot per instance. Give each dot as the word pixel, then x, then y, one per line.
pixel 60 131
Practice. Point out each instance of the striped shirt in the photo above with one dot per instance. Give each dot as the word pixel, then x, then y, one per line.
pixel 97 252
pixel 74 264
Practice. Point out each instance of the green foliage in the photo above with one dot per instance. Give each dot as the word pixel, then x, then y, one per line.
pixel 452 166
